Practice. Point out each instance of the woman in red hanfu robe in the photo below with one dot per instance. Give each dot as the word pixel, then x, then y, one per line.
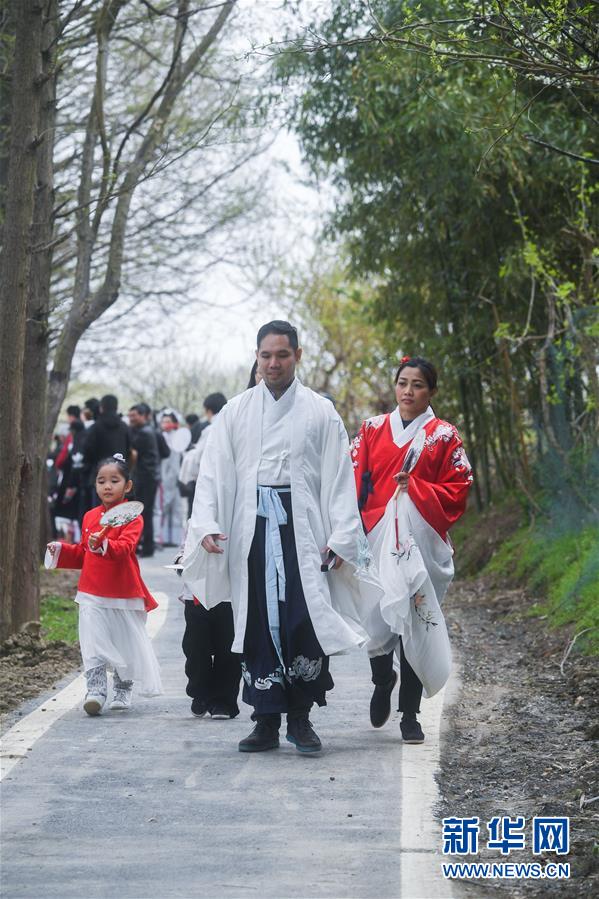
pixel 112 597
pixel 412 479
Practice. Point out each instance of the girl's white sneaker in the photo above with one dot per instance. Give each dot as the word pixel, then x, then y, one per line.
pixel 121 700
pixel 94 703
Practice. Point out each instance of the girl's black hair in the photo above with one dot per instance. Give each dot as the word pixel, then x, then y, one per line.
pixel 427 368
pixel 120 462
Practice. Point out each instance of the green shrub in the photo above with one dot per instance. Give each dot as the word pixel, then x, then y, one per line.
pixel 59 617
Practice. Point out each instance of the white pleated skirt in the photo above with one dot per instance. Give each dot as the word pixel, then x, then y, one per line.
pixel 117 638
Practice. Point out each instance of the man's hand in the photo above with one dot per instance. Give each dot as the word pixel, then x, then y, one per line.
pixel 53 548
pixel 338 560
pixel 210 545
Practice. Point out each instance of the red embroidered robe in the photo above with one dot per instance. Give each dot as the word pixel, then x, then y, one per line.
pixel 438 486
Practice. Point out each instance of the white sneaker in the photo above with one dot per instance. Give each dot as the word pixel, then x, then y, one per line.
pixel 121 700
pixel 94 703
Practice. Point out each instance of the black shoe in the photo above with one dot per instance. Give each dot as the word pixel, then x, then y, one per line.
pixel 380 703
pixel 411 730
pixel 198 708
pixel 221 712
pixel 264 736
pixel 301 733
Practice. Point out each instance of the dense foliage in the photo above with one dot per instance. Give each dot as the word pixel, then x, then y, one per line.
pixel 478 245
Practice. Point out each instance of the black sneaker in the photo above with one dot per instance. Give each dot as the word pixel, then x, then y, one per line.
pixel 198 708
pixel 222 712
pixel 411 730
pixel 301 733
pixel 380 703
pixel 264 736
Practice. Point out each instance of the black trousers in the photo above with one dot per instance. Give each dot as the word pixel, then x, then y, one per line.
pixel 145 492
pixel 410 686
pixel 213 671
pixel 271 687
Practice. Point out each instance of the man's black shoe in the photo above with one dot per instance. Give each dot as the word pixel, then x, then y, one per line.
pixel 380 704
pixel 264 736
pixel 198 708
pixel 301 733
pixel 411 730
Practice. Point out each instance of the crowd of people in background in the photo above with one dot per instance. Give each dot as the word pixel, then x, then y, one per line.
pixel 162 447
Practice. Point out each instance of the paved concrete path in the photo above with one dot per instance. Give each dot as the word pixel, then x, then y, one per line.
pixel 154 803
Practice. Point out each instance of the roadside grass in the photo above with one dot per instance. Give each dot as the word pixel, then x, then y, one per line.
pixel 564 569
pixel 59 618
pixel 556 560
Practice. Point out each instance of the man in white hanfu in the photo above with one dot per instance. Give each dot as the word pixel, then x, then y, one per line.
pixel 275 503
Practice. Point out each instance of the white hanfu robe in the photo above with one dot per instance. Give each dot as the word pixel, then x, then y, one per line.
pixel 317 467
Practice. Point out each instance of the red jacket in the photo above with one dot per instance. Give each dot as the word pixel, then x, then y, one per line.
pixel 114 574
pixel 438 486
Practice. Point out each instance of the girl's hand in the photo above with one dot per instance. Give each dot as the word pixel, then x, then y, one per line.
pixel 402 478
pixel 94 540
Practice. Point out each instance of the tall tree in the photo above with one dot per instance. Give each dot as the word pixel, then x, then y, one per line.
pixel 15 268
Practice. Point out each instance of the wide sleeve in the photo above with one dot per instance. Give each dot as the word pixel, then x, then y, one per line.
pixel 71 555
pixel 125 541
pixel 205 511
pixel 338 502
pixel 361 466
pixel 206 574
pixel 442 501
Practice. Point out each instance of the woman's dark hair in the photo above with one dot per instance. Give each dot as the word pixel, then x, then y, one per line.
pixel 429 372
pixel 120 462
pixel 278 327
pixel 252 380
pixel 168 414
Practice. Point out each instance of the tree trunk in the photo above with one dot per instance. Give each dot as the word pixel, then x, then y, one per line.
pixel 15 265
pixel 33 416
pixel 7 27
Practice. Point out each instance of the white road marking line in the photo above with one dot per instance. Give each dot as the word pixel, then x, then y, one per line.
pixel 420 860
pixel 19 740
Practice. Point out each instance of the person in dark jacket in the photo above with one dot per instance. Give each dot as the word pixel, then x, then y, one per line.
pixel 146 474
pixel 108 435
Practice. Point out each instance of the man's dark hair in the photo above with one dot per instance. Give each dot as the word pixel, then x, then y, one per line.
pixel 141 409
pixel 214 402
pixel 109 403
pixel 93 404
pixel 74 410
pixel 278 327
pixel 192 418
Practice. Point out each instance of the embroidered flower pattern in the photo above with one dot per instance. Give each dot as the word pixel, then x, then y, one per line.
pixel 354 449
pixel 262 683
pixel 306 669
pixel 422 612
pixel 265 683
pixel 376 421
pixel 403 550
pixel 246 674
pixel 444 431
pixel 459 459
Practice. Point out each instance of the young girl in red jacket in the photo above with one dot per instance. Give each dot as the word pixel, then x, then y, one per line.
pixel 113 599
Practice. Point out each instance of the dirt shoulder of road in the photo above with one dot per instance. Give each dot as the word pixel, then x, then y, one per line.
pixel 522 737
pixel 29 664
